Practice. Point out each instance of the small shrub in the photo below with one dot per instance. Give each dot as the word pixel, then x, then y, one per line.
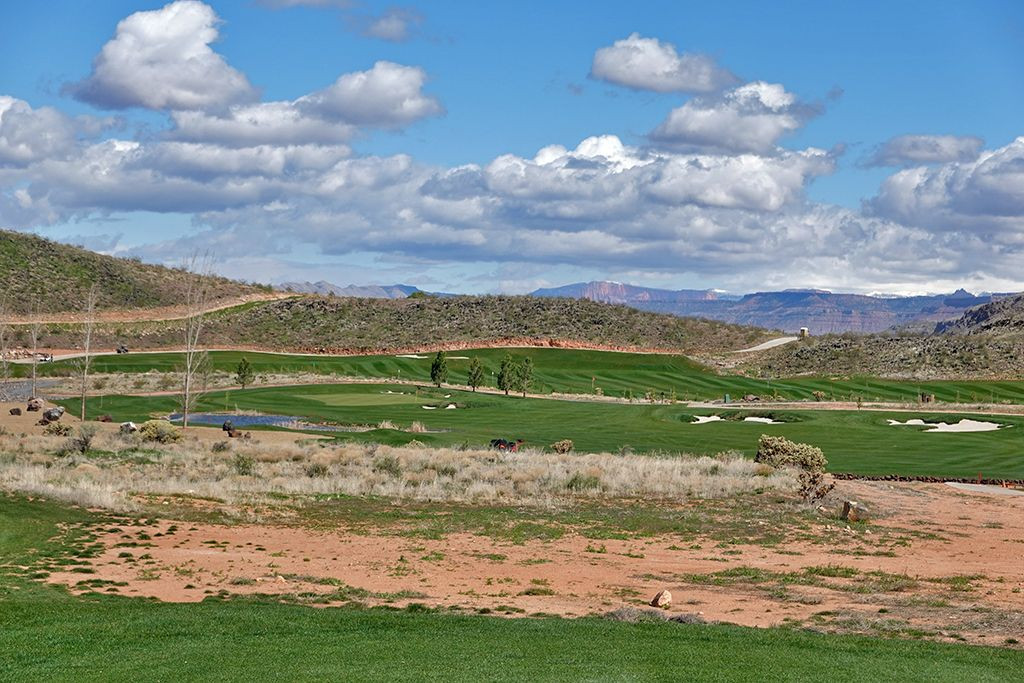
pixel 563 446
pixel 244 464
pixel 316 469
pixel 57 429
pixel 388 464
pixel 778 451
pixel 583 482
pixel 221 447
pixel 81 442
pixel 160 431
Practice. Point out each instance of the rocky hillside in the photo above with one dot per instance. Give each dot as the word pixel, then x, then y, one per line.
pixel 986 341
pixel 999 318
pixel 56 278
pixel 331 324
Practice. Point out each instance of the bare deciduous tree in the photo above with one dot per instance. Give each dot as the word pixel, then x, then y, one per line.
pixel 35 333
pixel 5 333
pixel 88 323
pixel 197 291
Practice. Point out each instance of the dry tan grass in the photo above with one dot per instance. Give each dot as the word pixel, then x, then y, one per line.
pixel 245 471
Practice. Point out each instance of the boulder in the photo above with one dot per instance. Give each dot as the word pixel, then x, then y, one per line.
pixel 128 428
pixel 34 405
pixel 234 433
pixel 104 418
pixel 15 411
pixel 227 426
pixel 53 414
pixel 853 512
pixel 662 600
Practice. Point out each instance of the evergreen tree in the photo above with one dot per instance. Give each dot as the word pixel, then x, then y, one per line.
pixel 244 373
pixel 476 373
pixel 439 369
pixel 506 375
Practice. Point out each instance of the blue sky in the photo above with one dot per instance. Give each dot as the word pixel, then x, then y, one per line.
pixel 488 80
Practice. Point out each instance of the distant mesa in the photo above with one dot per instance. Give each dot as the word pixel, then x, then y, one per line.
pixel 819 310
pixel 324 288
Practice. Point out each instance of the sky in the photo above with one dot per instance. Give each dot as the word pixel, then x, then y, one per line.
pixel 500 147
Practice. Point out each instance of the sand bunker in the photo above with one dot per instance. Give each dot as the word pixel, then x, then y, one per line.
pixel 429 407
pixel 704 419
pixel 450 406
pixel 961 426
pixel 409 355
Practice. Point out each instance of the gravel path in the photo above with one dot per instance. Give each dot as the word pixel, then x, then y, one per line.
pixel 770 344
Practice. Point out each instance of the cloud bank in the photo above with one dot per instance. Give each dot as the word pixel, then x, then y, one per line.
pixel 712 192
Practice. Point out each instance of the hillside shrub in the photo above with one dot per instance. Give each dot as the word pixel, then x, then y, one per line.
pixel 57 429
pixel 244 464
pixel 563 446
pixel 160 431
pixel 316 470
pixel 80 443
pixel 778 451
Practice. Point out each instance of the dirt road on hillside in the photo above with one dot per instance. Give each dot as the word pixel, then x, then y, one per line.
pixel 140 315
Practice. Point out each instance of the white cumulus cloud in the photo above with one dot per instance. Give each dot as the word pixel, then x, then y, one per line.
pixel 387 95
pixel 649 64
pixel 162 59
pixel 914 150
pixel 985 195
pixel 749 118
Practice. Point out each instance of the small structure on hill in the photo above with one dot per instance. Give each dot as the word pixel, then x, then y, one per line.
pixel 804 333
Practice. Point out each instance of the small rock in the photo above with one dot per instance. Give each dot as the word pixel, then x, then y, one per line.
pixel 15 411
pixel 663 599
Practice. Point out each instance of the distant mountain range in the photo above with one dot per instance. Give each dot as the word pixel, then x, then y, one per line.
pixel 324 288
pixel 818 310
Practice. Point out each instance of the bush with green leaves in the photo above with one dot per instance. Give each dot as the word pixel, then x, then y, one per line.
pixel 160 431
pixel 244 464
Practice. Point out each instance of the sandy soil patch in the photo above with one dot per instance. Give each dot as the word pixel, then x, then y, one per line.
pixel 940 560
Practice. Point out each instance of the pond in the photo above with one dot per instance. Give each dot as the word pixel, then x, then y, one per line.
pixel 242 421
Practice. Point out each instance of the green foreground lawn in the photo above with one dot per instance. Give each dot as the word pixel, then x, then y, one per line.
pixel 859 442
pixel 48 635
pixel 571 371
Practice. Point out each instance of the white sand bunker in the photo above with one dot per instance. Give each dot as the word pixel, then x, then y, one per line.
pixel 458 357
pixel 961 426
pixel 393 392
pixel 450 406
pixel 409 355
pixel 704 419
pixel 429 407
